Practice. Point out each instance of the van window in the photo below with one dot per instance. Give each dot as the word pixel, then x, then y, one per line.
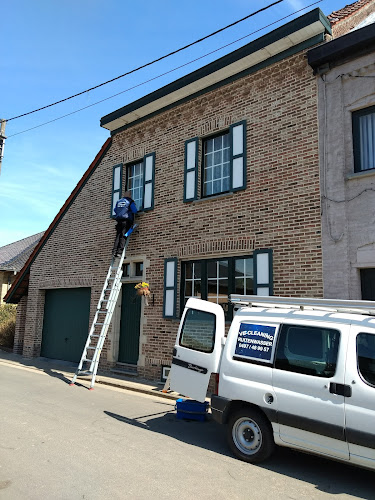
pixel 308 350
pixel 366 356
pixel 198 331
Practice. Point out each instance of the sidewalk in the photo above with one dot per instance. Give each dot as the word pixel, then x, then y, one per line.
pixel 66 370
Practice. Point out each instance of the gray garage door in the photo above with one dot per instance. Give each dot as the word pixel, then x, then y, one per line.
pixel 66 322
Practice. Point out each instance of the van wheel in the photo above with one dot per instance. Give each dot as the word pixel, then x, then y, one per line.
pixel 250 435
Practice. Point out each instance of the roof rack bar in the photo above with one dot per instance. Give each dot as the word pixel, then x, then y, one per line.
pixel 336 305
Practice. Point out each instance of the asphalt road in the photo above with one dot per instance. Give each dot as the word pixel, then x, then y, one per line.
pixel 60 442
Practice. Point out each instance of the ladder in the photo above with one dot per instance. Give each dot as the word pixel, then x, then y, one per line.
pixel 103 316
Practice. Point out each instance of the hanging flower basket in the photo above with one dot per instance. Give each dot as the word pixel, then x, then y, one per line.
pixel 143 288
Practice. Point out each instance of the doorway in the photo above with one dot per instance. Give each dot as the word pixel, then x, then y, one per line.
pixel 129 325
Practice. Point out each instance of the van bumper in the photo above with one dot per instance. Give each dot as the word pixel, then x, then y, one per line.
pixel 220 409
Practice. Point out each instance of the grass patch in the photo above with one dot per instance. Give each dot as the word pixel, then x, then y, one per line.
pixel 7 324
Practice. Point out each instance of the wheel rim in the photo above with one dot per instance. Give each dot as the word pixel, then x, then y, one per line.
pixel 247 436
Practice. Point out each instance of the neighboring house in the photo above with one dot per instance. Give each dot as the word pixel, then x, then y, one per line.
pixel 224 167
pixel 12 260
pixel 346 81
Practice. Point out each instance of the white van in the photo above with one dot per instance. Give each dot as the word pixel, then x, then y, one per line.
pixel 293 372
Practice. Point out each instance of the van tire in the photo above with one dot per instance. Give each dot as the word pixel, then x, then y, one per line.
pixel 250 435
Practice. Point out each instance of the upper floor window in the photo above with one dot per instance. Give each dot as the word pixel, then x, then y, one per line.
pixel 364 139
pixel 223 165
pixel 135 183
pixel 140 180
pixel 216 165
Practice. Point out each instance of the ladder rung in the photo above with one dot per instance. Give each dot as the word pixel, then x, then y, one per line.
pixel 99 324
pixel 95 336
pixel 86 359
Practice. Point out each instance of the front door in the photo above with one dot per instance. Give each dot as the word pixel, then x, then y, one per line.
pixel 130 325
pixel 198 348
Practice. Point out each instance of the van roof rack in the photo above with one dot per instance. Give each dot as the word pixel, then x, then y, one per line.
pixel 329 305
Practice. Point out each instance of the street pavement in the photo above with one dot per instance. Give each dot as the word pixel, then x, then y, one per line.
pixel 61 442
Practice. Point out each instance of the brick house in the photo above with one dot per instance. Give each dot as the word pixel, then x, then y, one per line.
pixel 346 85
pixel 12 259
pixel 224 166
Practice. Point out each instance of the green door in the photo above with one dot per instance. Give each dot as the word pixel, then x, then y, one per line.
pixel 66 322
pixel 130 325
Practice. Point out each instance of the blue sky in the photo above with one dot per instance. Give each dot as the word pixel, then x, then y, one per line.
pixel 51 50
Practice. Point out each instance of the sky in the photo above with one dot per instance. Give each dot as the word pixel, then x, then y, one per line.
pixel 52 50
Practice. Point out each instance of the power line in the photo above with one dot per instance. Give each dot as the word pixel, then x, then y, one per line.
pixel 166 73
pixel 149 63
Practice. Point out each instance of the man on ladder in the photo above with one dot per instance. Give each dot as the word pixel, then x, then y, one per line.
pixel 125 209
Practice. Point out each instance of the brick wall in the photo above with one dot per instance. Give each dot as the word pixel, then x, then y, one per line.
pixel 280 209
pixel 20 325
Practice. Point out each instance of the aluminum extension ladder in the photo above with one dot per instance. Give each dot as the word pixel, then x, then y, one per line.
pixel 103 316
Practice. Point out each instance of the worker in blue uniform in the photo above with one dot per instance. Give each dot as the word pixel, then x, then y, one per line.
pixel 125 210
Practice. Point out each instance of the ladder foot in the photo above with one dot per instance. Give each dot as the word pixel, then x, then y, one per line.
pixel 72 383
pixel 91 389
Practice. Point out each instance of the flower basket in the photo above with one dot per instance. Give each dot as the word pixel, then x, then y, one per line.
pixel 143 288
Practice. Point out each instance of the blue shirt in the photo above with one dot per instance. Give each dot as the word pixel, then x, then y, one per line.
pixel 125 209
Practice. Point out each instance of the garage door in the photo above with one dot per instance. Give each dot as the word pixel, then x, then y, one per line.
pixel 66 322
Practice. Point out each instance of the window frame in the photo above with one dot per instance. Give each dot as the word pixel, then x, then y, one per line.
pixel 129 166
pixel 202 166
pixel 204 279
pixel 356 116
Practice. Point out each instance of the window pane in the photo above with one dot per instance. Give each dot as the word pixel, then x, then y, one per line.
pixel 188 270
pixel 366 356
pixel 198 331
pixel 139 268
pixel 307 350
pixel 223 269
pixel 211 269
pixel 218 143
pixel 216 187
pixel 208 146
pixel 188 288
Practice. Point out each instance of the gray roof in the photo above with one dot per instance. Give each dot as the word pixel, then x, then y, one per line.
pixel 14 256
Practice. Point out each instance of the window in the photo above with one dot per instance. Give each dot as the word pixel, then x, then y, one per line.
pixel 216 165
pixel 364 139
pixel 135 183
pixel 223 167
pixel 139 269
pixel 198 331
pixel 140 182
pixel 366 357
pixel 215 280
pixel 308 350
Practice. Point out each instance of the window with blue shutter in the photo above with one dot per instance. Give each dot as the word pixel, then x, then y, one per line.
pixel 223 163
pixel 170 288
pixel 116 186
pixel 140 182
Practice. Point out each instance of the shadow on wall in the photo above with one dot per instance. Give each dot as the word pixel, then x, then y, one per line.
pixel 328 476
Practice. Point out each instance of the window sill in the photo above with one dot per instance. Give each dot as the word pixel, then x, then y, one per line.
pixel 214 197
pixel 359 175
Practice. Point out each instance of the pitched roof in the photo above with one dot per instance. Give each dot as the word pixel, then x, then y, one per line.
pixel 14 255
pixel 348 10
pixel 21 283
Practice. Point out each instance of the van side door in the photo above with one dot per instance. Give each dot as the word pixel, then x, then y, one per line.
pixel 198 348
pixel 360 407
pixel 308 379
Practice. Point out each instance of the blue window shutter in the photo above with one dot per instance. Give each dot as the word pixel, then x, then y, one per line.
pixel 170 288
pixel 238 155
pixel 149 181
pixel 263 272
pixel 116 186
pixel 191 170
